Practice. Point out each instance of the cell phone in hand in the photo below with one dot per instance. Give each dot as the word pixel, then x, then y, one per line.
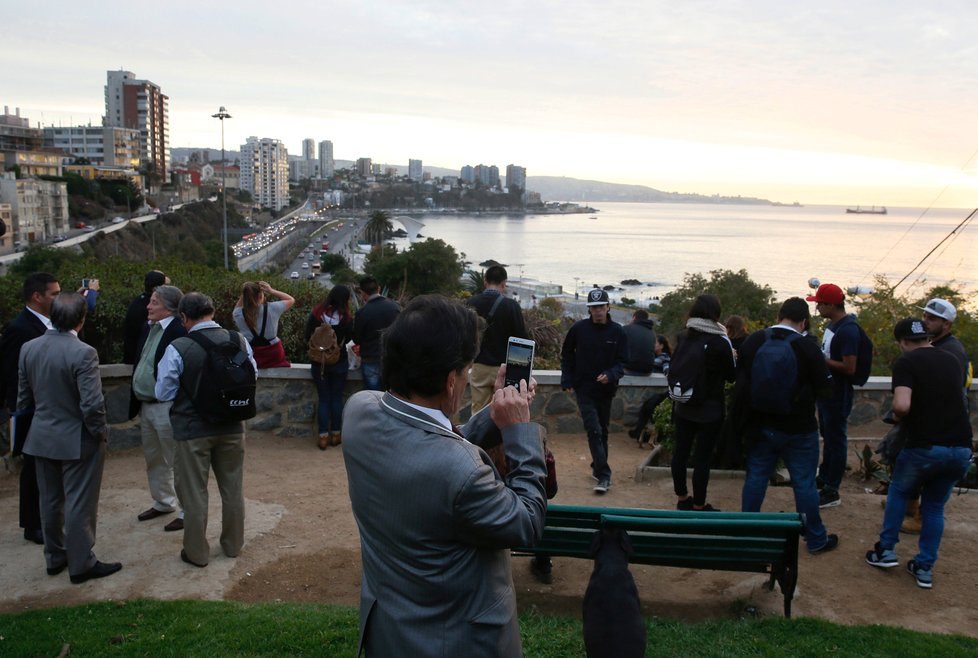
pixel 519 361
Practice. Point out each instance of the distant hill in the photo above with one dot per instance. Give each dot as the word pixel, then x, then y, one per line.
pixel 551 188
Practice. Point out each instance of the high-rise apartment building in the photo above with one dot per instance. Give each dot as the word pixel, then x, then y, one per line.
pixel 488 176
pixel 265 172
pixel 326 164
pixel 102 145
pixel 140 105
pixel 365 167
pixel 516 177
pixel 467 174
pixel 308 149
pixel 38 208
pixel 414 169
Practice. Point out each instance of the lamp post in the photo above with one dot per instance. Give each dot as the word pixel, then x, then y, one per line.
pixel 222 114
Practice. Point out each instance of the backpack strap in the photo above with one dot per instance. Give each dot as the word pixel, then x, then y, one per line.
pixel 495 305
pixel 264 320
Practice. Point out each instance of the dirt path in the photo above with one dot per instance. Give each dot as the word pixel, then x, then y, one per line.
pixel 301 545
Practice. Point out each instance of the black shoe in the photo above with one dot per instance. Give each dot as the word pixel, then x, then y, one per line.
pixel 635 433
pixel 831 543
pixel 706 508
pixel 542 569
pixel 100 570
pixel 685 505
pixel 34 535
pixel 828 498
pixel 54 571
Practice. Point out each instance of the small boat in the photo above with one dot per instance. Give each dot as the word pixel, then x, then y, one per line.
pixel 858 210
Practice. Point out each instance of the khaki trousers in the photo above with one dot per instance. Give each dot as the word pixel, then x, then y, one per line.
pixel 159 449
pixel 194 460
pixel 481 380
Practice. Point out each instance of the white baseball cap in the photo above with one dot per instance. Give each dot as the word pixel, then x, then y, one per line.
pixel 940 308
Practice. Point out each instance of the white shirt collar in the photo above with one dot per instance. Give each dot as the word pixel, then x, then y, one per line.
pixel 46 320
pixel 435 414
pixel 165 322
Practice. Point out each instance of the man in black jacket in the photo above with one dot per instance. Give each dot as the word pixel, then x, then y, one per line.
pixel 376 314
pixel 641 344
pixel 793 435
pixel 592 360
pixel 504 318
pixel 39 292
pixel 135 321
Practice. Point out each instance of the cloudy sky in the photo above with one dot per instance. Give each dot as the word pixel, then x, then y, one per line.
pixel 870 102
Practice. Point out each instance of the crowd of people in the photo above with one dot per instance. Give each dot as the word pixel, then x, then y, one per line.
pixel 474 491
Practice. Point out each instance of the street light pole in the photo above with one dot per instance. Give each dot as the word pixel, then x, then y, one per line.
pixel 222 114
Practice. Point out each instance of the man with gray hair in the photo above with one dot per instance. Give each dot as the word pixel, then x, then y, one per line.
pixel 154 416
pixel 59 379
pixel 202 444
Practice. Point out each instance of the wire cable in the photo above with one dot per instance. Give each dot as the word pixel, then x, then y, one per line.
pixel 953 232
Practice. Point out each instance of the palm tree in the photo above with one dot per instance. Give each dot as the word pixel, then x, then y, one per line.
pixel 378 226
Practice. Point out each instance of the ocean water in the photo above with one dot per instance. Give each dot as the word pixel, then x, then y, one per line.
pixel 657 244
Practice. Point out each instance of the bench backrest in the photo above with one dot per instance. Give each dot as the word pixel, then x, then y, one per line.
pixel 739 541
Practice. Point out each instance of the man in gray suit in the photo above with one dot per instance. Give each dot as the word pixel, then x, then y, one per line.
pixel 59 379
pixel 436 520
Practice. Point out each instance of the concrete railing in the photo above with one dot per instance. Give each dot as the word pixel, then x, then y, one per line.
pixel 287 403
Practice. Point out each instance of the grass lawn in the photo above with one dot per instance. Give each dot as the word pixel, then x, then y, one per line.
pixel 199 628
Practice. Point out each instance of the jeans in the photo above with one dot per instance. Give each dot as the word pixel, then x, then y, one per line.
pixel 931 473
pixel 371 376
pixel 596 412
pixel 800 455
pixel 329 387
pixel 704 435
pixel 833 420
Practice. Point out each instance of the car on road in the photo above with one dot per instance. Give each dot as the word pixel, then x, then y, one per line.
pixel 118 220
pixel 59 238
pixel 294 275
pixel 88 229
pixel 79 224
pixel 311 276
pixel 305 266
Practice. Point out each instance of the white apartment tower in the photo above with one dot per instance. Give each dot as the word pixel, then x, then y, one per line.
pixel 265 172
pixel 140 105
pixel 326 165
pixel 414 169
pixel 516 177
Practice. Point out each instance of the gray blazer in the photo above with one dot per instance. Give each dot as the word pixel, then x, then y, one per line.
pixel 436 521
pixel 59 378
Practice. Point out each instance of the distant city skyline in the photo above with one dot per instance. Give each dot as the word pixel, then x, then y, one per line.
pixel 867 103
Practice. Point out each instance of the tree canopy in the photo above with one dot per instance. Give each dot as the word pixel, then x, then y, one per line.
pixel 738 294
pixel 432 266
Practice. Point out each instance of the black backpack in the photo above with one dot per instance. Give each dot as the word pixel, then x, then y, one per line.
pixel 225 388
pixel 774 374
pixel 864 359
pixel 687 371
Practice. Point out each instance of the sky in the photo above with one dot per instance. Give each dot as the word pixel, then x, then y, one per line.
pixel 870 102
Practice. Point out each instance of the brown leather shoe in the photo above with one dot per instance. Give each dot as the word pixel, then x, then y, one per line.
pixel 151 513
pixel 174 525
pixel 335 439
pixel 323 441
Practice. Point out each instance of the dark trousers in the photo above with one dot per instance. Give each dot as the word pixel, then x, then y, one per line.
pixel 703 436
pixel 596 413
pixel 647 409
pixel 833 422
pixel 30 497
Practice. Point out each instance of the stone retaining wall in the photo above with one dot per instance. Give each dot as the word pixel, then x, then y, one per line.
pixel 287 403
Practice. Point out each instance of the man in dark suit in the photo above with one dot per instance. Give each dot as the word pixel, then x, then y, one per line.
pixel 40 290
pixel 59 379
pixel 440 582
pixel 159 447
pixel 136 316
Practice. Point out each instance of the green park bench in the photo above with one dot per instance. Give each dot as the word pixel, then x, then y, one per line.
pixel 758 542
